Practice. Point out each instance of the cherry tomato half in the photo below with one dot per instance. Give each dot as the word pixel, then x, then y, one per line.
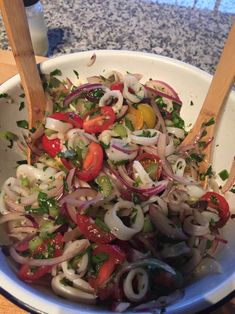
pixel 30 274
pixel 69 117
pixel 117 86
pixel 51 147
pixel 152 164
pixel 115 256
pixel 91 231
pixel 218 202
pixel 101 121
pixel 92 163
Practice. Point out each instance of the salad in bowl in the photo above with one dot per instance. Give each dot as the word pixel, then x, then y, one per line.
pixel 113 208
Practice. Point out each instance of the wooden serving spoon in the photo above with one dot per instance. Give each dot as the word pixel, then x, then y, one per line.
pixel 17 28
pixel 216 97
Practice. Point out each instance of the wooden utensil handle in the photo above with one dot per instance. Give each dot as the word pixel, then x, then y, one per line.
pixel 219 89
pixel 16 24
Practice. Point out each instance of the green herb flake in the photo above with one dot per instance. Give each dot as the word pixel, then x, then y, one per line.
pixel 22 105
pixel 65 185
pixel 133 216
pixel 4 95
pixel 232 190
pixel 66 282
pixel 147 133
pixel 214 199
pixel 101 225
pixel 9 136
pixel 76 73
pixel 129 124
pixel 137 182
pixel 100 258
pixel 224 174
pixel 22 124
pixel 210 122
pixel 22 162
pixel 56 72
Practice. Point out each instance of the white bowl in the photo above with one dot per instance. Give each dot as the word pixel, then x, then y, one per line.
pixel 192 85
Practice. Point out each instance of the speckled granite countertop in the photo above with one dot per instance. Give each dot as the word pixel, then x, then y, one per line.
pixel 192 31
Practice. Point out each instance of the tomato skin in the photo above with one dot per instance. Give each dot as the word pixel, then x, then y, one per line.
pixel 92 163
pixel 91 231
pixel 27 275
pixel 51 147
pixel 146 159
pixel 57 241
pixel 117 86
pixel 218 202
pixel 69 117
pixel 115 256
pixel 100 122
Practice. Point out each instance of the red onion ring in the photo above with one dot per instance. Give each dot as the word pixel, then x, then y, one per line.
pixel 81 89
pixel 161 94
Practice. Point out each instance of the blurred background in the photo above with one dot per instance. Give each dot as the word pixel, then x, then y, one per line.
pixel 193 31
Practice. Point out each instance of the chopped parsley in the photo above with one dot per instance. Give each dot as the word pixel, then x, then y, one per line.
pixel 210 122
pixel 4 95
pixel 133 216
pixel 9 136
pixel 22 105
pixel 76 73
pixel 102 225
pixel 56 72
pixel 22 124
pixel 100 258
pixel 147 133
pixel 129 124
pixel 224 174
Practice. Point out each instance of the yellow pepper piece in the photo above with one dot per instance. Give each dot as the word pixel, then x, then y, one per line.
pixel 136 118
pixel 148 115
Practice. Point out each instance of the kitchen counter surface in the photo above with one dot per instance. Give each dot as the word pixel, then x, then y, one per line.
pixel 193 31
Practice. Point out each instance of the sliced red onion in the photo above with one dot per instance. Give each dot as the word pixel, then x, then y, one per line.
pixel 123 146
pixel 231 179
pixel 160 121
pixel 70 179
pixel 71 235
pixel 125 179
pixel 165 163
pixel 80 90
pixel 157 92
pixel 120 151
